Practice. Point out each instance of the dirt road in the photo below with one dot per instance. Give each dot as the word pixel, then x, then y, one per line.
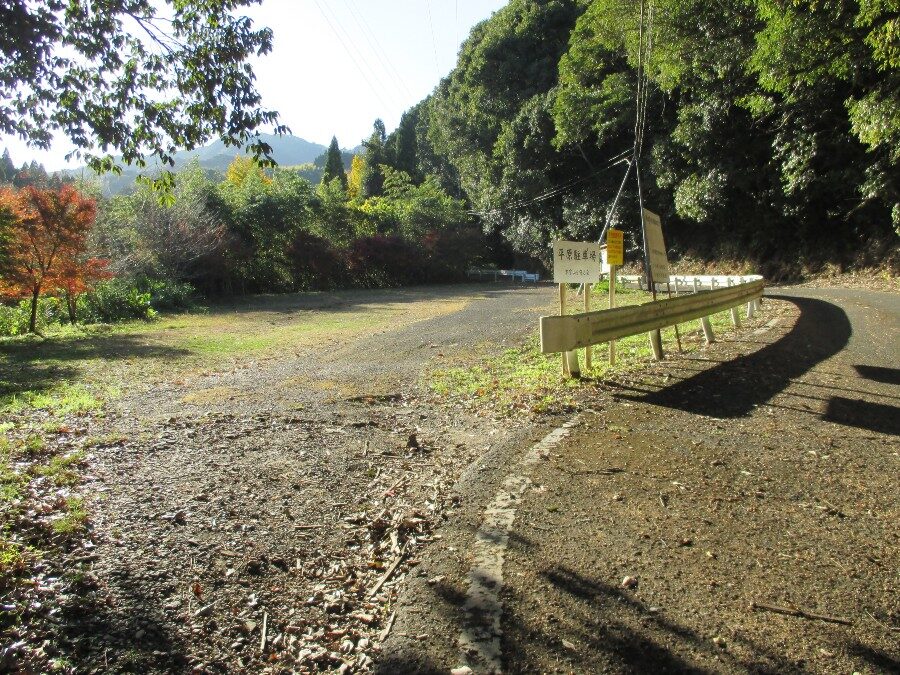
pixel 260 515
pixel 684 511
pixel 278 490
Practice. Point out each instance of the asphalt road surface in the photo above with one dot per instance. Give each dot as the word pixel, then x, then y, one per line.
pixel 733 510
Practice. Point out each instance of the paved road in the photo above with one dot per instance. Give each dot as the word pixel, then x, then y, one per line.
pixel 762 470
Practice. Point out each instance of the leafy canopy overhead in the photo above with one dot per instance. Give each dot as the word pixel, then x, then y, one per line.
pixel 142 78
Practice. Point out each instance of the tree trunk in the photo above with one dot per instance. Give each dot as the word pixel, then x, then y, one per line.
pixel 32 324
pixel 70 304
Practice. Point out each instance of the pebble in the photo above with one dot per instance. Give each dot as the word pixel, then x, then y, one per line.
pixel 629 582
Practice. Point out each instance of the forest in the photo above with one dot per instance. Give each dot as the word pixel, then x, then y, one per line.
pixel 765 133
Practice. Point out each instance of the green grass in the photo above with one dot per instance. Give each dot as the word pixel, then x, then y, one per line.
pixel 12 559
pixel 74 519
pixel 63 399
pixel 524 378
pixel 62 469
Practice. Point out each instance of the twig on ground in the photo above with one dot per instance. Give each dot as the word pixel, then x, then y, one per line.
pixel 387 575
pixel 382 636
pixel 790 611
pixel 893 629
pixel 265 627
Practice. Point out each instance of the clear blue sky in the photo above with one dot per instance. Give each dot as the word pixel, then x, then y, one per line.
pixel 338 64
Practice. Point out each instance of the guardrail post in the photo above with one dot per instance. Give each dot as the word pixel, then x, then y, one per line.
pixel 587 308
pixel 612 303
pixel 562 312
pixel 751 309
pixel 735 317
pixel 704 321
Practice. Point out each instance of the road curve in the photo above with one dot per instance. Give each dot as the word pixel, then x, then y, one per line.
pixel 756 473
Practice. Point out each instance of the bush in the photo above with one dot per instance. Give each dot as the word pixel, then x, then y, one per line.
pixel 386 261
pixel 114 300
pixel 14 318
pixel 316 263
pixel 168 295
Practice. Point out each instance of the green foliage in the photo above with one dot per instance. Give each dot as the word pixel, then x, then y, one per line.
pixel 412 210
pixel 132 76
pixel 14 319
pixel 334 164
pixel 115 300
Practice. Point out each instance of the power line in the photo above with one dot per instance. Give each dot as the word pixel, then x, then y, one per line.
pixel 378 50
pixel 558 190
pixel 437 66
pixel 349 52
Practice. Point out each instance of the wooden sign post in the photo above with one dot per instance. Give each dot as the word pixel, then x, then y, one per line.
pixel 587 308
pixel 575 262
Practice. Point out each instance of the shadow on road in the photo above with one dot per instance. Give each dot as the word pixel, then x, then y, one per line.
pixel 878 417
pixel 733 388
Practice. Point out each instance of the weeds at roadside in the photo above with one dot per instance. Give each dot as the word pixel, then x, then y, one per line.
pixel 524 379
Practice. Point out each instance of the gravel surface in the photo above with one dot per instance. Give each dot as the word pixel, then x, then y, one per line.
pixel 315 510
pixel 261 516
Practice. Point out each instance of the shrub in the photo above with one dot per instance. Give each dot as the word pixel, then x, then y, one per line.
pixel 113 301
pixel 386 261
pixel 14 318
pixel 316 263
pixel 166 294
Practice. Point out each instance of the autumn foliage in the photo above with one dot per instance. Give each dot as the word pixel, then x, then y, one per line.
pixel 45 245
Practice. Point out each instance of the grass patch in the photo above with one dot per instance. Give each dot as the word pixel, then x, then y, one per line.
pixel 63 399
pixel 524 378
pixel 11 482
pixel 12 559
pixel 62 469
pixel 74 518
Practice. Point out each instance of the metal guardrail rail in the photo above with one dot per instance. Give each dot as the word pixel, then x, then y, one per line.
pixel 688 282
pixel 567 333
pixel 498 275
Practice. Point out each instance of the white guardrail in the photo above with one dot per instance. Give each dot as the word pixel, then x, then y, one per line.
pixel 698 298
pixel 503 275
pixel 689 283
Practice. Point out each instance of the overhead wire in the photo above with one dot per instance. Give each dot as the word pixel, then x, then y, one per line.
pixel 557 190
pixel 347 49
pixel 437 65
pixel 377 49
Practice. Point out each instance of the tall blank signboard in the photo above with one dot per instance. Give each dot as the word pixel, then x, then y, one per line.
pixel 656 248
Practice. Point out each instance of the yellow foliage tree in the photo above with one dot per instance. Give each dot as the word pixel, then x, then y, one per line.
pixel 244 167
pixel 354 180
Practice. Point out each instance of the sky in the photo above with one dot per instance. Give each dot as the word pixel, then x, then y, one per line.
pixel 337 65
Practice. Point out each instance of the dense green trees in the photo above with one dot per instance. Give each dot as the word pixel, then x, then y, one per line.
pixel 772 129
pixel 334 164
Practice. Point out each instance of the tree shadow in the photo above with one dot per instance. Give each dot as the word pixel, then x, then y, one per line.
pixel 878 417
pixel 734 388
pixel 39 366
pixel 350 300
pixel 134 638
pixel 611 630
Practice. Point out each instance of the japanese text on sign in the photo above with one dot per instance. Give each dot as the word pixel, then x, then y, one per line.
pixel 615 247
pixel 576 262
pixel 656 247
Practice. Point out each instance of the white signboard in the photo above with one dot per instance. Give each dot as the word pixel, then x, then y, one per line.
pixel 576 262
pixel 604 262
pixel 656 248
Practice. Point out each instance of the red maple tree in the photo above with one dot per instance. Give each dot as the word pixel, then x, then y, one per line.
pixel 47 238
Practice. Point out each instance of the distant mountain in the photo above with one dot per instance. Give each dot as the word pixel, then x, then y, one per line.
pixel 215 158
